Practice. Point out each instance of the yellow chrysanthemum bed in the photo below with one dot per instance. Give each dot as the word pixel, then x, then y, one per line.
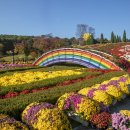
pixel 8 123
pixel 29 77
pixel 44 116
pixel 102 97
pixel 82 106
pixel 97 95
pixel 124 87
pixel 115 92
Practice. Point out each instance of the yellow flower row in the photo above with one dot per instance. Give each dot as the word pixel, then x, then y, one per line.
pixel 122 85
pixel 98 95
pixel 28 77
pixel 106 96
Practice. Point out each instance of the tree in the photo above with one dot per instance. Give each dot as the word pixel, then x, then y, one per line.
pixel 112 37
pixel 74 41
pixel 1 49
pixel 81 29
pixel 88 38
pixel 67 42
pixel 124 36
pixel 91 41
pixel 101 38
pixel 119 38
pixel 115 39
pixel 27 48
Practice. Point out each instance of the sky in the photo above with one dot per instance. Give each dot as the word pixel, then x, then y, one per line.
pixel 60 17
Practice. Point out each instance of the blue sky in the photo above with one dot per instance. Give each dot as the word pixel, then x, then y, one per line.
pixel 60 17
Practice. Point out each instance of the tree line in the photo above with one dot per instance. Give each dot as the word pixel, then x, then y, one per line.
pixel 114 38
pixel 36 45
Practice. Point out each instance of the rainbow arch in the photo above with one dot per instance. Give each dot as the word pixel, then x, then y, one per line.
pixel 77 56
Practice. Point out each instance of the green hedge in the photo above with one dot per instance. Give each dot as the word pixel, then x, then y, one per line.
pixel 14 106
pixel 10 71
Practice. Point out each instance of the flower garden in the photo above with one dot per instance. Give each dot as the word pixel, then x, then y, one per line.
pixel 35 98
pixel 49 98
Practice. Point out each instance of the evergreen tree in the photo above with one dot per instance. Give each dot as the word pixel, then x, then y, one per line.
pixel 112 37
pixel 115 39
pixel 91 40
pixel 124 36
pixel 119 38
pixel 101 38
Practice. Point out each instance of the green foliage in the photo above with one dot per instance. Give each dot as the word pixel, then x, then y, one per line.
pixel 101 38
pixel 14 106
pixel 1 49
pixel 89 41
pixel 112 37
pixel 120 39
pixel 19 69
pixel 115 39
pixel 17 58
pixel 124 36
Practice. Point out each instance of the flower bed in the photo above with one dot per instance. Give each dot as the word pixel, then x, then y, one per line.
pixel 14 106
pixel 78 104
pixel 41 79
pixel 97 95
pixel 68 82
pixel 28 77
pixel 43 116
pixel 108 92
pixel 8 123
pixel 80 108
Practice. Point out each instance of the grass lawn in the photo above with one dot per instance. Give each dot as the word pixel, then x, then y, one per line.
pixel 19 57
